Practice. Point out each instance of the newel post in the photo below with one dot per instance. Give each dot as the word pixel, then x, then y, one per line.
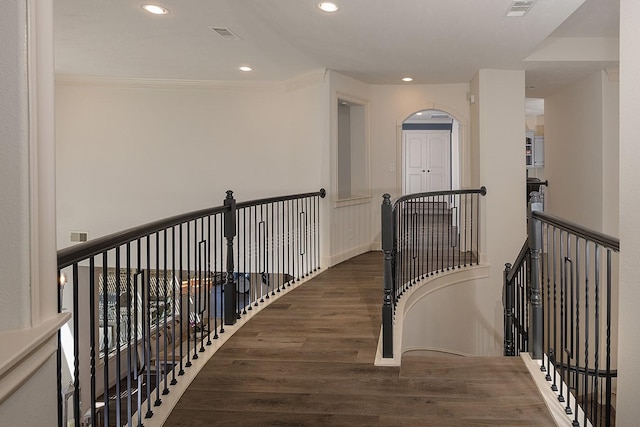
pixel 509 305
pixel 387 303
pixel 229 286
pixel 535 285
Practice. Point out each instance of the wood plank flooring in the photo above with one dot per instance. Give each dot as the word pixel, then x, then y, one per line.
pixel 307 360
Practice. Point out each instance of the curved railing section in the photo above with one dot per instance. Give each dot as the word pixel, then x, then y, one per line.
pixel 557 306
pixel 424 234
pixel 148 301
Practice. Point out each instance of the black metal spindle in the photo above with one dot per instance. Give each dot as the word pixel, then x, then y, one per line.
pixel 118 393
pixel 76 345
pixel 175 304
pixel 585 392
pixel 184 311
pixel 105 334
pixel 92 337
pixel 190 310
pixel 608 375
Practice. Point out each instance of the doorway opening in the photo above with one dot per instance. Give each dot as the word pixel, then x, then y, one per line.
pixel 352 150
pixel 430 152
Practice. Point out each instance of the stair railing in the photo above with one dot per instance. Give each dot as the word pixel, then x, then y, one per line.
pixel 557 306
pixel 147 301
pixel 422 235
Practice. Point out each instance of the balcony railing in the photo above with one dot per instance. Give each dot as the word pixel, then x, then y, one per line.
pixel 148 301
pixel 422 235
pixel 557 306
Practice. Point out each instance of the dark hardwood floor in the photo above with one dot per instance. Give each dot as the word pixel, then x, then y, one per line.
pixel 307 360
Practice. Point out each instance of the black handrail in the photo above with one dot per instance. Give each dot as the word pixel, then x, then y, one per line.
pixel 79 252
pixel 558 305
pixel 424 234
pixel 579 230
pixel 482 191
pixel 76 253
pixel 322 193
pixel 170 285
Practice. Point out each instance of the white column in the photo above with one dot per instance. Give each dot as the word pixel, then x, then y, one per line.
pixel 628 314
pixel 28 282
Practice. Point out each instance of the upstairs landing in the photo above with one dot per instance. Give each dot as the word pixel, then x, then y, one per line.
pixel 307 360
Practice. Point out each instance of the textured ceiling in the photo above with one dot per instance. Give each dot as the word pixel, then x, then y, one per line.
pixel 378 42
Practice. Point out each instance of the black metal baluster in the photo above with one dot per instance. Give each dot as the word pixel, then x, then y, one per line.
pixel 563 320
pixel 165 301
pixel 105 335
pixel 196 291
pixel 155 285
pixel 118 393
pixel 596 355
pixel 217 257
pixel 547 309
pixel 283 245
pixel 174 305
pixel 183 310
pixel 585 393
pixel 130 369
pixel 553 351
pixel 272 250
pixel 76 346
pixel 577 336
pixel 238 273
pixel 190 323
pixel 246 270
pixel 92 339
pixel 608 341
pixel 468 245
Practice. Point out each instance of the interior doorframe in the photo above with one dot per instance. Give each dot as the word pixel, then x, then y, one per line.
pixel 463 145
pixel 403 164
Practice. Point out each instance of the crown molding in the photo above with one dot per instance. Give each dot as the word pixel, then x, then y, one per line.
pixel 298 82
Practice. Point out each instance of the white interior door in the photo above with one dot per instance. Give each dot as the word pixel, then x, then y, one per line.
pixel 438 161
pixel 415 155
pixel 427 160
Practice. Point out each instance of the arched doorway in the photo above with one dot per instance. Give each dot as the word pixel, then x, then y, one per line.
pixel 430 152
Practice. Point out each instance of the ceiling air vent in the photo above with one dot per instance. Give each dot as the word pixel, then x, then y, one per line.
pixel 520 7
pixel 225 33
pixel 78 236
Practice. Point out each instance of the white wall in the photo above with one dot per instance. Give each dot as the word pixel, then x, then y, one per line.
pixel 390 106
pixel 629 317
pixel 472 309
pixel 580 146
pixel 349 219
pixel 129 155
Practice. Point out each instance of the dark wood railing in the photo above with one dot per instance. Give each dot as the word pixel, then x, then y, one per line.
pixel 148 300
pixel 422 235
pixel 557 306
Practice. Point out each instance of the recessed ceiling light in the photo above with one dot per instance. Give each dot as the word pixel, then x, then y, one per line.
pixel 327 6
pixel 245 68
pixel 155 9
pixel 407 79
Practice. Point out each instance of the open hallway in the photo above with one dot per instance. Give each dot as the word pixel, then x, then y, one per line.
pixel 307 359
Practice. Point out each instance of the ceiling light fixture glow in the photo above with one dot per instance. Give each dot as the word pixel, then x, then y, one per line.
pixel 155 9
pixel 327 6
pixel 407 79
pixel 245 68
